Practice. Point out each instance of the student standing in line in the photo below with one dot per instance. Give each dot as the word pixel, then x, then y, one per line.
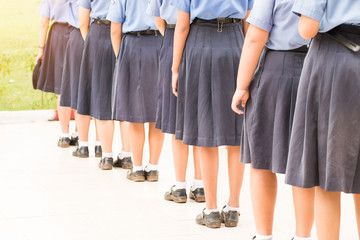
pixel 270 96
pixel 325 142
pixel 52 57
pixel 209 51
pixel 165 18
pixel 135 78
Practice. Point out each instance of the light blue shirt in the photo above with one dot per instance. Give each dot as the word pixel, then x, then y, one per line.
pixel 74 13
pixel 330 13
pixel 58 12
pixel 132 15
pixel 276 17
pixel 99 8
pixel 211 9
pixel 163 9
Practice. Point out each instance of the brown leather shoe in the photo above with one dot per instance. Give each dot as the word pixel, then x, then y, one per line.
pixel 178 196
pixel 98 151
pixel 82 152
pixel 106 163
pixel 64 142
pixel 74 141
pixel 212 220
pixel 124 163
pixel 198 195
pixel 230 218
pixel 152 176
pixel 138 176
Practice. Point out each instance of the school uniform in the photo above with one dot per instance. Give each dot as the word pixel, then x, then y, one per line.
pixel 72 61
pixel 136 71
pixel 166 100
pixel 325 141
pixel 97 65
pixel 53 61
pixel 207 74
pixel 273 90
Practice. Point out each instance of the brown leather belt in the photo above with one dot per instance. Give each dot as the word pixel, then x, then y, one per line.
pixel 102 22
pixel 145 32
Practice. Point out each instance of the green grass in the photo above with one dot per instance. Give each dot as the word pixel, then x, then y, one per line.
pixel 19 28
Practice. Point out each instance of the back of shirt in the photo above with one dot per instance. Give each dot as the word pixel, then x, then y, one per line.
pixel 163 9
pixel 211 9
pixel 132 15
pixel 99 8
pixel 74 13
pixel 276 17
pixel 56 11
pixel 330 13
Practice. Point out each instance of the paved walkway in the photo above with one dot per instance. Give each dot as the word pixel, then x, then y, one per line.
pixel 46 194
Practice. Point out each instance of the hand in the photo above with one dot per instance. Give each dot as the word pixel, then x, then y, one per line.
pixel 240 96
pixel 175 77
pixel 39 56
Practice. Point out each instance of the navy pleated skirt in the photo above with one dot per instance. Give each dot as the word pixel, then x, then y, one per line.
pixel 135 79
pixel 53 61
pixel 207 82
pixel 325 141
pixel 166 101
pixel 71 73
pixel 269 111
pixel 96 73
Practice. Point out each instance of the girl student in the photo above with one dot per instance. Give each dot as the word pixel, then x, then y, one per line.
pixel 135 79
pixel 52 57
pixel 165 18
pixel 325 141
pixel 270 102
pixel 207 46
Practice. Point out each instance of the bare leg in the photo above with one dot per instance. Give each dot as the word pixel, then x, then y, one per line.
pixel 124 132
pixel 180 154
pixel 304 210
pixel 327 214
pixel 357 211
pixel 197 168
pixel 156 142
pixel 137 141
pixel 209 158
pixel 106 134
pixel 83 124
pixel 75 113
pixel 64 116
pixel 97 131
pixel 236 175
pixel 263 187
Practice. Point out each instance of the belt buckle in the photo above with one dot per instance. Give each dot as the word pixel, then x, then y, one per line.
pixel 220 21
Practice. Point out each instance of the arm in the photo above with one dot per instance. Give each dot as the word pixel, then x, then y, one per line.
pixel 181 33
pixel 44 25
pixel 245 24
pixel 116 36
pixel 308 27
pixel 84 21
pixel 254 43
pixel 160 24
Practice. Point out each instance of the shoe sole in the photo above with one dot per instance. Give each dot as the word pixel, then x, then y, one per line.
pixel 197 199
pixel 230 224
pixel 180 200
pixel 137 179
pixel 105 167
pixel 213 225
pixel 98 155
pixel 80 156
pixel 63 146
pixel 152 179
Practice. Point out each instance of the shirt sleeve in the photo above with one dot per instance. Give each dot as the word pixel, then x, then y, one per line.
pixel 85 4
pixel 314 9
pixel 261 15
pixel 45 9
pixel 117 11
pixel 153 8
pixel 183 5
pixel 250 4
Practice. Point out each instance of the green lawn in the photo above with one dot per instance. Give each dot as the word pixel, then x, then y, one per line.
pixel 19 27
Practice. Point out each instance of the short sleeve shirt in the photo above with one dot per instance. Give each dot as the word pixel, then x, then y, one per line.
pixel 163 9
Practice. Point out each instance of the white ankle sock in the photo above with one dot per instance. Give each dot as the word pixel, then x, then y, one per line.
pixel 83 144
pixel 228 208
pixel 74 134
pixel 151 167
pixel 65 135
pixel 97 143
pixel 263 237
pixel 107 155
pixel 179 185
pixel 299 238
pixel 208 211
pixel 124 154
pixel 137 168
pixel 197 184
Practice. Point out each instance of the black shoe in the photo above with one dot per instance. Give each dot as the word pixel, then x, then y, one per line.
pixel 178 196
pixel 98 151
pixel 74 141
pixel 152 176
pixel 198 195
pixel 138 176
pixel 213 220
pixel 82 152
pixel 230 218
pixel 125 163
pixel 106 163
pixel 64 142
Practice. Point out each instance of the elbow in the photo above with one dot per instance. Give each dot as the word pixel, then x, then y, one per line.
pixel 306 33
pixel 183 28
pixel 308 28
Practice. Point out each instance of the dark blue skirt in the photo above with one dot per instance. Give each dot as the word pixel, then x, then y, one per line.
pixel 96 74
pixel 270 109
pixel 325 140
pixel 135 79
pixel 166 101
pixel 53 61
pixel 71 73
pixel 207 82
